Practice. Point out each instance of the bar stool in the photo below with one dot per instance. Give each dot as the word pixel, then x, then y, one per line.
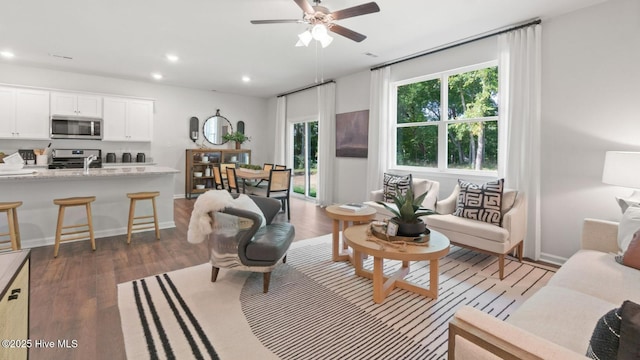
pixel 69 202
pixel 132 209
pixel 12 221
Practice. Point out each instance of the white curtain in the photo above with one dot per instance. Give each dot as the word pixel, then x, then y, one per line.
pixel 327 143
pixel 281 131
pixel 519 65
pixel 379 128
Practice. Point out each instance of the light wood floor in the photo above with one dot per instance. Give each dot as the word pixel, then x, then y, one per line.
pixel 74 296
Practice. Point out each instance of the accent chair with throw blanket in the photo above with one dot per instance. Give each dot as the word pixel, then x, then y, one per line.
pixel 484 218
pixel 241 232
pixel 402 183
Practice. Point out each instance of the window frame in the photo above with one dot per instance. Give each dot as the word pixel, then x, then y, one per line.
pixel 442 124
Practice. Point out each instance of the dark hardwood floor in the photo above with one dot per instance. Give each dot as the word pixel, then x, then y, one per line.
pixel 74 296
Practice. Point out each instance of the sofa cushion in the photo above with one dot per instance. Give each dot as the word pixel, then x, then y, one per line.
pixel 598 274
pixel 605 339
pixel 629 224
pixel 631 257
pixel 457 224
pixel 563 316
pixel 271 242
pixel 480 202
pixel 392 182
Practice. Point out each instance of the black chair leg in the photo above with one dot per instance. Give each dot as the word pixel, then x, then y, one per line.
pixel 266 277
pixel 288 210
pixel 214 273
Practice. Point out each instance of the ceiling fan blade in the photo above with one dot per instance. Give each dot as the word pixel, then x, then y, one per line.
pixel 283 21
pixel 348 33
pixel 363 9
pixel 305 6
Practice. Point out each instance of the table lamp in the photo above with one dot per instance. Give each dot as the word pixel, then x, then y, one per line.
pixel 622 168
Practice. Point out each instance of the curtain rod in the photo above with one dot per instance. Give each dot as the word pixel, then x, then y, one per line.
pixel 306 88
pixel 456 44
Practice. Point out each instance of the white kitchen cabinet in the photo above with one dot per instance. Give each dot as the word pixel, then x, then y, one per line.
pixel 24 113
pixel 76 104
pixel 127 119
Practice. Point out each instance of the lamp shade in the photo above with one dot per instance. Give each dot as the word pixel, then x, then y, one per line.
pixel 622 168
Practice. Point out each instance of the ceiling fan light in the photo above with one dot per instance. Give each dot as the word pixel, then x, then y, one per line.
pixel 305 38
pixel 326 41
pixel 319 32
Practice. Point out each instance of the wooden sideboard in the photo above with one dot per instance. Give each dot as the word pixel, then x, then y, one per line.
pixel 194 163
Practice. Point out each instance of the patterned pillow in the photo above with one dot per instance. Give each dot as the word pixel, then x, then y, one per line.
pixel 629 332
pixel 403 183
pixel 605 339
pixel 480 202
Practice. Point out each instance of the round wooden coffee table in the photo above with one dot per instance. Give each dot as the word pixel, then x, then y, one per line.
pixel 346 216
pixel 438 246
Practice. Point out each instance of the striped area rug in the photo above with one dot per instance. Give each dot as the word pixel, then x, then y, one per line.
pixel 315 308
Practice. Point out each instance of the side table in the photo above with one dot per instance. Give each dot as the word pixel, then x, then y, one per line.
pixel 338 214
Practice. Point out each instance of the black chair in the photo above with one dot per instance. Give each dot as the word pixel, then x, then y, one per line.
pixel 239 242
pixel 265 167
pixel 232 180
pixel 279 186
pixel 217 178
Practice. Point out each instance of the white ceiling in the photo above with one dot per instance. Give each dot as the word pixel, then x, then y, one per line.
pixel 217 45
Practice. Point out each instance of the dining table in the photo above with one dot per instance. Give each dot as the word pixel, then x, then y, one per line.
pixel 248 174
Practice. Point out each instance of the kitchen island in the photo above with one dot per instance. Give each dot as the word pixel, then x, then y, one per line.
pixel 37 188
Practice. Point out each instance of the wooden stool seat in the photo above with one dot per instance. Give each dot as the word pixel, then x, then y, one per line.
pixel 142 225
pixel 13 241
pixel 78 232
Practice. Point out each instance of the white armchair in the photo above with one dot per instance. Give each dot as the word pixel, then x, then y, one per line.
pixel 481 236
pixel 419 186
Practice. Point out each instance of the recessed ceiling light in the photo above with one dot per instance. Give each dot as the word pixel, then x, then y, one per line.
pixel 157 76
pixel 7 54
pixel 172 57
pixel 246 79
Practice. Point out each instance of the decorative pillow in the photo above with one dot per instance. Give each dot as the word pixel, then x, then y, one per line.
pixel 605 339
pixel 480 202
pixel 629 224
pixel 631 257
pixel 244 202
pixel 402 182
pixel 629 332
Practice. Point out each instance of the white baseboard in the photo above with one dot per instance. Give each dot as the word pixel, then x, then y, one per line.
pixel 552 259
pixel 32 243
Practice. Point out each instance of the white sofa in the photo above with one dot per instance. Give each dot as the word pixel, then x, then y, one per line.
pixel 558 321
pixel 479 235
pixel 418 186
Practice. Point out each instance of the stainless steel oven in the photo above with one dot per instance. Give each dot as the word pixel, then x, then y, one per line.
pixel 76 127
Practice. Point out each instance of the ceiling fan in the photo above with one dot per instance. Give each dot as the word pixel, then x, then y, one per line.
pixel 320 15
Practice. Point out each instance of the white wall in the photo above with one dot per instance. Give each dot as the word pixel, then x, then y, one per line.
pixel 590 77
pixel 174 106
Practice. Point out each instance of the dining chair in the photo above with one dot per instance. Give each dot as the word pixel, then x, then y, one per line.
pixel 265 167
pixel 232 182
pixel 217 178
pixel 280 167
pixel 279 186
pixel 224 166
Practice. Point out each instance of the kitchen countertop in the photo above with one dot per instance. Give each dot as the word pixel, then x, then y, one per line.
pixel 116 171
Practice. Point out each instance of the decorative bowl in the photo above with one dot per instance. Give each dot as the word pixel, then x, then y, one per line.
pixel 197 174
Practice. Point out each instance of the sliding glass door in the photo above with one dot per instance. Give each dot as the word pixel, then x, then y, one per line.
pixel 305 158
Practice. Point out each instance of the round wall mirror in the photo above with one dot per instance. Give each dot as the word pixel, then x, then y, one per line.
pixel 215 128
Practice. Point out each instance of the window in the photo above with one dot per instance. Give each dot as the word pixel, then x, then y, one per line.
pixel 448 121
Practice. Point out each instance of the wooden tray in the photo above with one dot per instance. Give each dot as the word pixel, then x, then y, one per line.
pixel 380 233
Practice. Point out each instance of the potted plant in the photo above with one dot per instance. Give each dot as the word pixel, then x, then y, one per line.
pixel 236 136
pixel 408 212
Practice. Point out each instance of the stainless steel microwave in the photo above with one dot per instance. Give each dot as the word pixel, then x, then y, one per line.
pixel 76 127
